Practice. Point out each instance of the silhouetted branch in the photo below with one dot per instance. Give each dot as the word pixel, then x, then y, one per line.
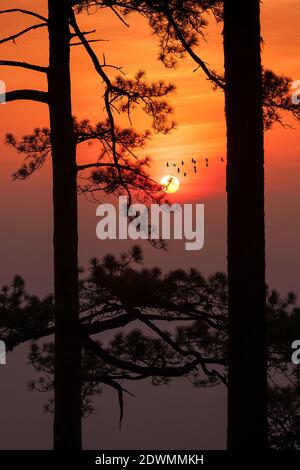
pixel 90 51
pixel 113 165
pixel 181 351
pixel 145 371
pixel 90 41
pixel 85 33
pixel 106 80
pixel 213 77
pixel 112 383
pixel 24 65
pixel 134 91
pixel 113 288
pixel 26 12
pixel 13 340
pixel 21 33
pixel 123 320
pixel 108 98
pixel 106 325
pixel 119 16
pixel 31 95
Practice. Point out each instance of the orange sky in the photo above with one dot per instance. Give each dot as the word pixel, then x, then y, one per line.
pixel 199 111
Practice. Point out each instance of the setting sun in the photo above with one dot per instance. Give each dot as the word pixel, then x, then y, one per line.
pixel 170 184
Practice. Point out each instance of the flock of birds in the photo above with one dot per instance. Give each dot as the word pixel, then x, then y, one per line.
pixel 182 166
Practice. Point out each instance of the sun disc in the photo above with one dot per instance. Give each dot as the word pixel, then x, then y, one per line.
pixel 170 184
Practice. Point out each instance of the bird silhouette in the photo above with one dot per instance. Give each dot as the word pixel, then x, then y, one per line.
pixel 178 170
pixel 182 163
pixel 167 164
pixel 184 174
pixel 195 169
pixel 222 159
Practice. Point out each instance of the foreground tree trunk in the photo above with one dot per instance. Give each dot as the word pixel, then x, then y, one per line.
pixel 67 365
pixel 247 413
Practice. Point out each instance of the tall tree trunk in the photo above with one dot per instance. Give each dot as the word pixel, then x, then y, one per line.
pixel 247 414
pixel 67 364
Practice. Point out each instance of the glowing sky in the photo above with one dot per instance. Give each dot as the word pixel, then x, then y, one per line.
pixel 198 109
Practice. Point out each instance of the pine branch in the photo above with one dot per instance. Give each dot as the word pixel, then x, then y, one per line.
pixel 91 31
pixel 148 371
pixel 90 41
pixel 106 80
pixel 119 16
pixel 105 325
pixel 24 65
pixel 16 339
pixel 31 95
pixel 177 348
pixel 101 165
pixel 21 33
pixel 26 12
pixel 210 74
pixel 112 383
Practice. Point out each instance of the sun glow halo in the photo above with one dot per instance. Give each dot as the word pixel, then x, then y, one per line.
pixel 170 184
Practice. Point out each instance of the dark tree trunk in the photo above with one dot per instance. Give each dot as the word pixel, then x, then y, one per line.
pixel 247 393
pixel 67 364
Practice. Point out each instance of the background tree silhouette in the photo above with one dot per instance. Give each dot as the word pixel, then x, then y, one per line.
pixel 176 325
